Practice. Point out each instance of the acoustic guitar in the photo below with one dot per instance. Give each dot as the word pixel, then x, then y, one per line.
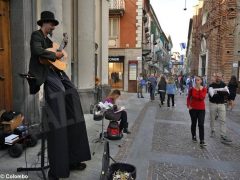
pixel 59 64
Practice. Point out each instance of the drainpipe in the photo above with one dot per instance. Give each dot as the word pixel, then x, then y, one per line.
pixel 100 47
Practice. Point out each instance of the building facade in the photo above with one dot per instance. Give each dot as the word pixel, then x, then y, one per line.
pixel 214 39
pixel 86 23
pixel 125 44
pixel 156 44
pixel 187 62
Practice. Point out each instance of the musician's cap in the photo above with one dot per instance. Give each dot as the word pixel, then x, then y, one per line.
pixel 47 16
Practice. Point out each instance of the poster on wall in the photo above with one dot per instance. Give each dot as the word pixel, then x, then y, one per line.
pixel 132 72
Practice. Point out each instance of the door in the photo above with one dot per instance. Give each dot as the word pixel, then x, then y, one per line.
pixel 132 76
pixel 115 77
pixel 5 61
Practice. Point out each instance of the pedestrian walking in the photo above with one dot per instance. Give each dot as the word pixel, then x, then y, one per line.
pixel 217 93
pixel 232 86
pixel 152 81
pixel 171 91
pixel 188 83
pixel 181 84
pixel 204 79
pixel 162 85
pixel 140 83
pixel 196 106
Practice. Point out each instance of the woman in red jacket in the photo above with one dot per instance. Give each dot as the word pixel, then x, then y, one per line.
pixel 196 106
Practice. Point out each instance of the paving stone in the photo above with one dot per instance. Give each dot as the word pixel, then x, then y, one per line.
pixel 176 139
pixel 169 171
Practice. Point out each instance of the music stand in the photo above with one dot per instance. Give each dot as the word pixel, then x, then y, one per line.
pixel 42 167
pixel 99 117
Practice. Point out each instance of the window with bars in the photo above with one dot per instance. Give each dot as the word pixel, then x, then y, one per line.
pixel 203 65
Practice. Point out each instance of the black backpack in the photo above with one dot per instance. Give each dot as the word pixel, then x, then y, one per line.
pixel 8 116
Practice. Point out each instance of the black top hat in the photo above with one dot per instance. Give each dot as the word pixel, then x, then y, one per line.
pixel 47 16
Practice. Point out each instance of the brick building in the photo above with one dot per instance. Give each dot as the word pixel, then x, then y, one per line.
pixel 137 43
pixel 125 44
pixel 213 39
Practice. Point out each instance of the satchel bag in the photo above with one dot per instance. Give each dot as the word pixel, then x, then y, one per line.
pixel 111 115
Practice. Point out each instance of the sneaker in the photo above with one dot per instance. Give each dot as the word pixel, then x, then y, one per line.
pixel 212 134
pixel 194 139
pixel 202 144
pixel 225 139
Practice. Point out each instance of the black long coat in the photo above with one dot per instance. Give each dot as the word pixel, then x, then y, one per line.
pixel 63 118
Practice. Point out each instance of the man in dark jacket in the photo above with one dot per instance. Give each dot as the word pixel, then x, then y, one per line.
pixel 217 92
pixel 63 118
pixel 152 81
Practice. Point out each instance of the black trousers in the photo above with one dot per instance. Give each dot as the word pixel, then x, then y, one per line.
pixel 197 116
pixel 170 96
pixel 64 121
pixel 123 120
pixel 162 96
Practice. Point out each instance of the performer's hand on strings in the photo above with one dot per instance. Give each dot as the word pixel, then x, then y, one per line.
pixel 59 54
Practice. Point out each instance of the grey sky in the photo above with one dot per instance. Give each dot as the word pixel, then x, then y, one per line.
pixel 173 19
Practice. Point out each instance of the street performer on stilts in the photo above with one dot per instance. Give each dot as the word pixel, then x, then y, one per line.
pixel 67 140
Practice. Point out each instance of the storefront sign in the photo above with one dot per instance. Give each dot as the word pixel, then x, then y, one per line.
pixel 116 59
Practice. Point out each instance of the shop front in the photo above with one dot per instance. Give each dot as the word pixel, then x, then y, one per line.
pixel 116 72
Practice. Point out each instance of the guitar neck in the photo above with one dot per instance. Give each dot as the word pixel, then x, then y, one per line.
pixel 61 47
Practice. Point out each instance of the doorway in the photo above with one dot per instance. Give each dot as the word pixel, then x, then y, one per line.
pixel 5 60
pixel 115 76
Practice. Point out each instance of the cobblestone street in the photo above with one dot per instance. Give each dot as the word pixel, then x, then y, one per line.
pixel 161 146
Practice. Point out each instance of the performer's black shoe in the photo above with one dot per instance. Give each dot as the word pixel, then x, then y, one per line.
pixel 125 130
pixel 51 176
pixel 78 166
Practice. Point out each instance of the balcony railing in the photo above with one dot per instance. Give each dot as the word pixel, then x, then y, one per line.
pixel 117 7
pixel 146 49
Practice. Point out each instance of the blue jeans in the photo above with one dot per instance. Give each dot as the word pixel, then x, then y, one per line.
pixel 152 92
